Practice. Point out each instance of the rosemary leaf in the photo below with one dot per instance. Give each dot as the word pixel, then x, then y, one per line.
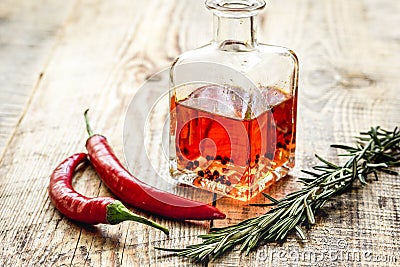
pixel 310 214
pixel 273 200
pixel 300 232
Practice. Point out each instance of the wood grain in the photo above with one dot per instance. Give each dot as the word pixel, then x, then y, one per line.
pixel 29 30
pixel 99 57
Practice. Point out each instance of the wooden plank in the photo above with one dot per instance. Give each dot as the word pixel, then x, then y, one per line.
pixel 347 84
pixel 102 57
pixel 28 32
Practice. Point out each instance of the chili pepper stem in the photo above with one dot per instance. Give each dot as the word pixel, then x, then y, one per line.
pixel 117 212
pixel 88 128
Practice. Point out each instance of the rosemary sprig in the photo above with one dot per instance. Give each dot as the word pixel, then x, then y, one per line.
pixel 375 151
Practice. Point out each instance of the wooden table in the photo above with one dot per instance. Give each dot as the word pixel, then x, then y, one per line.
pixel 60 57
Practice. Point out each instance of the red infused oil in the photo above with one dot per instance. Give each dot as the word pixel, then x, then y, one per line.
pixel 227 144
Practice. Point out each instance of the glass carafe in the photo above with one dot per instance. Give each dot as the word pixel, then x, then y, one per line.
pixel 233 106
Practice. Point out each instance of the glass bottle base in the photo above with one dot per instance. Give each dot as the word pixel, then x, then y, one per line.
pixel 225 187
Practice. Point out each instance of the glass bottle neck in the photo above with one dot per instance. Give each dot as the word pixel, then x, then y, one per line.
pixel 235 34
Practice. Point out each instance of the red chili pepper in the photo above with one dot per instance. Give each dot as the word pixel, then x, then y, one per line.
pixel 138 194
pixel 84 209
